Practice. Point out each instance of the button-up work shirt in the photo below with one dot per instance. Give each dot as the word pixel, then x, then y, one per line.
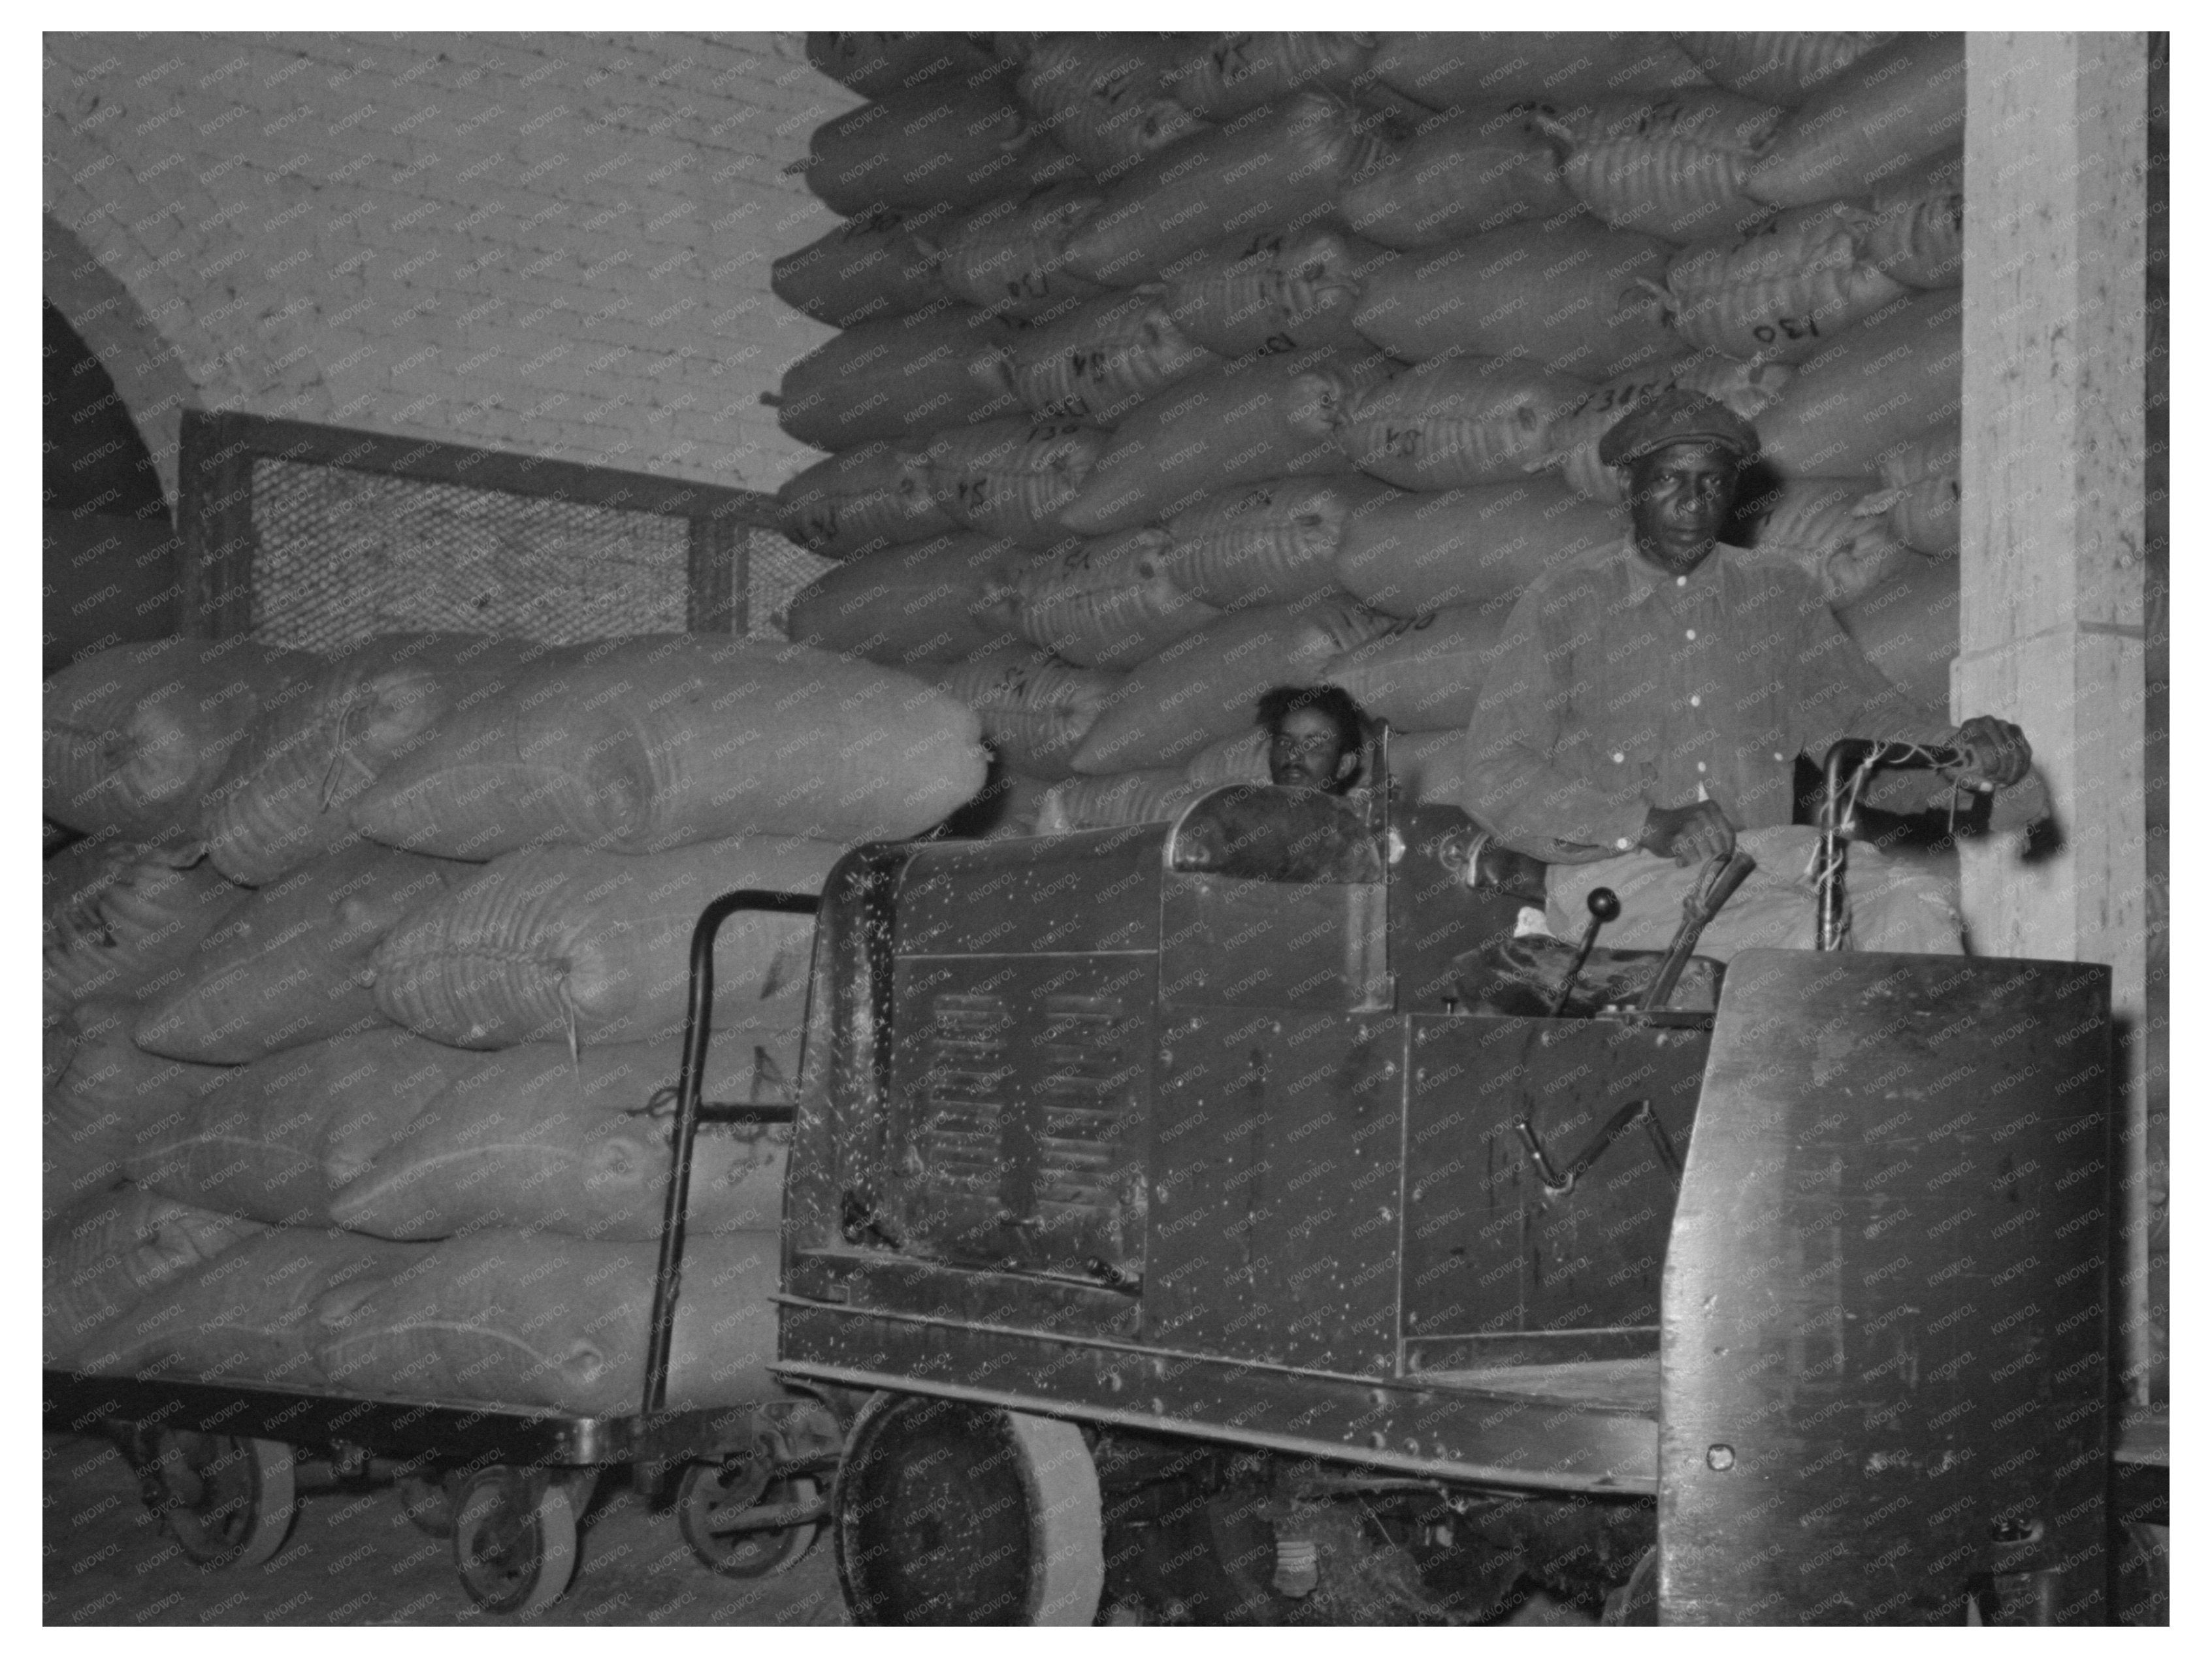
pixel 1617 687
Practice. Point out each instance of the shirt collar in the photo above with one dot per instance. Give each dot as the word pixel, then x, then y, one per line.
pixel 1644 579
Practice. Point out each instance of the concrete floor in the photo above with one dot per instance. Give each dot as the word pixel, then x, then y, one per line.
pixel 354 1558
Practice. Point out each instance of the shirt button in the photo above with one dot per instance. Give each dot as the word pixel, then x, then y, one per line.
pixel 1681 581
pixel 1697 701
pixel 1619 759
pixel 1701 765
pixel 1689 632
pixel 1778 754
pixel 1621 844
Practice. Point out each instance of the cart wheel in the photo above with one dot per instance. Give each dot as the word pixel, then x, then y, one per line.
pixel 1636 1601
pixel 950 1513
pixel 428 1500
pixel 514 1540
pixel 711 1492
pixel 228 1501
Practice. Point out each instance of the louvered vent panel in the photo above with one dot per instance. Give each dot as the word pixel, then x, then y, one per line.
pixel 1084 1099
pixel 964 1092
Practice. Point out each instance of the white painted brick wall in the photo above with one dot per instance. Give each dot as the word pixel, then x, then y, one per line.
pixel 557 244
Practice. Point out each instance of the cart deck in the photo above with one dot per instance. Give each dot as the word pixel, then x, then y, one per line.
pixel 405 1430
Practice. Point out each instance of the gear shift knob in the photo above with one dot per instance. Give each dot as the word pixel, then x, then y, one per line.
pixel 1604 905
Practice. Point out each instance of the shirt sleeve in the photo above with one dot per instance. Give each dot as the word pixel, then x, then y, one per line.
pixel 1512 787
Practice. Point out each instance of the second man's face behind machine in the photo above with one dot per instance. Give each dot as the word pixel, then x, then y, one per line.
pixel 1306 752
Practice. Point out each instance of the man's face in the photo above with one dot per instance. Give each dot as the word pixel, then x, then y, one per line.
pixel 1305 753
pixel 1679 501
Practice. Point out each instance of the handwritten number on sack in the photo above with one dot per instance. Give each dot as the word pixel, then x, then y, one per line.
pixel 1788 328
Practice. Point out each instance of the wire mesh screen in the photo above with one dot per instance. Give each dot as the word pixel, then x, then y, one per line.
pixel 341 555
pixel 777 569
pixel 319 536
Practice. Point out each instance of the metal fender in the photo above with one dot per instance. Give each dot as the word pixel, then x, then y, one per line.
pixel 1884 1327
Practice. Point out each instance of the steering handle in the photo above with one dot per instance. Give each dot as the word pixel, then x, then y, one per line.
pixel 1844 758
pixel 1851 754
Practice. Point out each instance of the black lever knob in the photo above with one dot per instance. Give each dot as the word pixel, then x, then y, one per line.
pixel 1604 906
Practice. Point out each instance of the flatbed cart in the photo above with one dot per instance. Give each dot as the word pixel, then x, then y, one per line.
pixel 224 1464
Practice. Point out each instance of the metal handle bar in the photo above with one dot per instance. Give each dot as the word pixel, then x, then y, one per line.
pixel 698 1009
pixel 1561 1182
pixel 1717 884
pixel 1843 759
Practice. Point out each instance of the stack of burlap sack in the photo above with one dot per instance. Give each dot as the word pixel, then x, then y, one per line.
pixel 364 992
pixel 1172 367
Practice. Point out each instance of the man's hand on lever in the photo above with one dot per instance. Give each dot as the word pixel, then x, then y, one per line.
pixel 1997 752
pixel 1688 834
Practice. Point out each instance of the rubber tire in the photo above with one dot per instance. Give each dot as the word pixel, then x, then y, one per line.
pixel 948 1513
pixel 527 1569
pixel 2145 1575
pixel 243 1525
pixel 1637 1601
pixel 428 1502
pixel 706 1486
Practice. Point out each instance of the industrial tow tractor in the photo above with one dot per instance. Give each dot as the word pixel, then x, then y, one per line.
pixel 1200 1227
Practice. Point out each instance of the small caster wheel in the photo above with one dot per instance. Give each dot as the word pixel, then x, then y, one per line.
pixel 514 1540
pixel 428 1501
pixel 711 1495
pixel 228 1501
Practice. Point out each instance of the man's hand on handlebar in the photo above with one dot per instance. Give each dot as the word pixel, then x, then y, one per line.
pixel 1688 834
pixel 1997 751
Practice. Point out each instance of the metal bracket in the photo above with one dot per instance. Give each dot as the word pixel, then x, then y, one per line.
pixel 859 1219
pixel 1112 1276
pixel 1560 1184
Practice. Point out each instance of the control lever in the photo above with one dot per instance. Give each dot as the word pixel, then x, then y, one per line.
pixel 1604 906
pixel 1560 1183
pixel 1721 876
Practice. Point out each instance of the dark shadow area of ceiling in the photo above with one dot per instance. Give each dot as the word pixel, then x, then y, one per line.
pixel 95 461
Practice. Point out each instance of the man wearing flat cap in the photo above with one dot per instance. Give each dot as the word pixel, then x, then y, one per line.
pixel 1647 703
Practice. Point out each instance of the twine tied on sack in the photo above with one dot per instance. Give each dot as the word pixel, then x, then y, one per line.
pixel 341 749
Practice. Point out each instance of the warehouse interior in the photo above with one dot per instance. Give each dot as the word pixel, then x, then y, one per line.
pixel 836 440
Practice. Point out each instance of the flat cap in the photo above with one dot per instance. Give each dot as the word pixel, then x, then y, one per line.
pixel 1677 415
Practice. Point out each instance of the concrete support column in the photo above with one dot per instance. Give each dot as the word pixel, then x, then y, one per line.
pixel 2053 543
